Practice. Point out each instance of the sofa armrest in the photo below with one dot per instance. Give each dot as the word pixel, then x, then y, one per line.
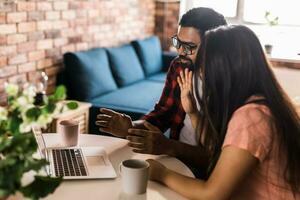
pixel 168 56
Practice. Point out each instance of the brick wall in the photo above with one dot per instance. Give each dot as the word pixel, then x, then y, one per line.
pixel 34 34
pixel 166 20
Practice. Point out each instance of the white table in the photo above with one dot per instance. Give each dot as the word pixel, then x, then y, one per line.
pixel 110 189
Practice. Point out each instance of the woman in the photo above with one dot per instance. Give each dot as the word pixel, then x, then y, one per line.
pixel 247 124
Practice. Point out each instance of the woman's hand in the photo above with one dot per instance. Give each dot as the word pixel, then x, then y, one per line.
pixel 186 87
pixel 157 171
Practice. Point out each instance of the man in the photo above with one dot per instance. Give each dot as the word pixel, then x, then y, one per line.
pixel 145 135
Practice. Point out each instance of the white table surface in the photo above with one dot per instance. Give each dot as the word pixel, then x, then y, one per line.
pixel 110 189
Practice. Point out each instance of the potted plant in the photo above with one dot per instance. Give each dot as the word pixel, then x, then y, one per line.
pixel 18 145
pixel 271 21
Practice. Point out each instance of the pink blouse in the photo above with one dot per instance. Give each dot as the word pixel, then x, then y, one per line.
pixel 252 128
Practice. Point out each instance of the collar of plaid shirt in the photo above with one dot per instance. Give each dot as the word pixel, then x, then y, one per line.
pixel 168 112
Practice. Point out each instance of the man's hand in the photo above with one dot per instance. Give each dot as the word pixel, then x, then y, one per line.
pixel 150 141
pixel 186 87
pixel 113 122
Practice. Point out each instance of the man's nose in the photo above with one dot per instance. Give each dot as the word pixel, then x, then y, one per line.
pixel 181 51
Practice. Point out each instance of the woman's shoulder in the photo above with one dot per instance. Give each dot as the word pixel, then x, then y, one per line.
pixel 252 114
pixel 255 109
pixel 251 128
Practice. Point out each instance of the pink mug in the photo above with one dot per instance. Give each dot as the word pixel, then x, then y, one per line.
pixel 69 131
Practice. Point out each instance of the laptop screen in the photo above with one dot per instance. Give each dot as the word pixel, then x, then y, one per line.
pixel 40 141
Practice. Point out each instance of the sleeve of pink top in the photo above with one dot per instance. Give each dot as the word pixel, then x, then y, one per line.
pixel 250 129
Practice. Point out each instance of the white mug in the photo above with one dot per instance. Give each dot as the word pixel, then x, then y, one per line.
pixel 134 175
pixel 69 131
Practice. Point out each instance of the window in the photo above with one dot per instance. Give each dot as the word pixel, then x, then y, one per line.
pixel 286 10
pixel 251 11
pixel 284 37
pixel 227 7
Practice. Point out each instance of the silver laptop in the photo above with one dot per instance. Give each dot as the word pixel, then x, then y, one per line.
pixel 75 162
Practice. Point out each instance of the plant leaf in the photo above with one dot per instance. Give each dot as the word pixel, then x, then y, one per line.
pixel 4 143
pixel 14 123
pixel 21 144
pixel 60 93
pixel 3 193
pixel 72 105
pixel 33 113
pixel 7 162
pixel 49 108
pixel 41 187
pixel 34 164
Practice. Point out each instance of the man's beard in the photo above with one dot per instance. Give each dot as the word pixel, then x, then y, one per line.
pixel 185 61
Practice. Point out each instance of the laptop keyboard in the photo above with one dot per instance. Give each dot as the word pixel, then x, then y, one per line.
pixel 68 162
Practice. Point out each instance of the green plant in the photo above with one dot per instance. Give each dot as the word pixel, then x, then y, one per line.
pixel 17 143
pixel 271 20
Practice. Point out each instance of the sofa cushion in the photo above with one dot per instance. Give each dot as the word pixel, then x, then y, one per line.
pixel 150 54
pixel 160 77
pixel 88 74
pixel 138 98
pixel 125 65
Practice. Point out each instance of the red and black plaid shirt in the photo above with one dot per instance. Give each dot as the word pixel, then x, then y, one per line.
pixel 168 112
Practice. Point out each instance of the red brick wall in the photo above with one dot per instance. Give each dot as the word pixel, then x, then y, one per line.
pixel 35 34
pixel 166 20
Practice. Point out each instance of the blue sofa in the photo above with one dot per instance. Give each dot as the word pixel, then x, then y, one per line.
pixel 128 78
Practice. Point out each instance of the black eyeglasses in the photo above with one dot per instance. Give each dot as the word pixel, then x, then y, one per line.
pixel 188 48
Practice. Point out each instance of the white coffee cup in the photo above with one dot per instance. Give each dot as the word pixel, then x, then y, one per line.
pixel 69 131
pixel 134 175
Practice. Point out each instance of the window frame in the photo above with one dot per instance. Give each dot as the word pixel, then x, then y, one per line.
pixel 238 19
pixel 262 30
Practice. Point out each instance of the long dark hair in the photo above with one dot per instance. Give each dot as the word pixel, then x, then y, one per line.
pixel 233 67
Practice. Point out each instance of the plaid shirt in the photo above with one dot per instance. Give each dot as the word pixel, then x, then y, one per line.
pixel 168 112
